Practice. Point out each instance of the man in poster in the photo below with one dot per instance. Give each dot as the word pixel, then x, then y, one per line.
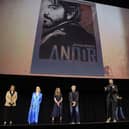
pixel 63 38
pixel 67 40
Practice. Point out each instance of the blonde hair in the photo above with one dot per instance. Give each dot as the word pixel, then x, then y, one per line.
pixel 58 92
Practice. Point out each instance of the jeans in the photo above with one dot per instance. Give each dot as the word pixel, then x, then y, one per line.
pixel 75 115
pixel 119 113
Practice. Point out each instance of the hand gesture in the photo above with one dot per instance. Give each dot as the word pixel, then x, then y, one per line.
pixel 74 103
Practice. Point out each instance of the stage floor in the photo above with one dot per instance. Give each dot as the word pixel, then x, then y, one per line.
pixel 87 125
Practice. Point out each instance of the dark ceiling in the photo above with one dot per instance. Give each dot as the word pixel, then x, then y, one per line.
pixel 118 3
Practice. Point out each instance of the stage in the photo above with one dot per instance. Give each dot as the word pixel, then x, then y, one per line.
pixel 87 125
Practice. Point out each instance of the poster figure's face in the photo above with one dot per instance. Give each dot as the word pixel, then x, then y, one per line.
pixel 52 13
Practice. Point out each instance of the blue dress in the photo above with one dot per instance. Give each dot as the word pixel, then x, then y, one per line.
pixel 34 108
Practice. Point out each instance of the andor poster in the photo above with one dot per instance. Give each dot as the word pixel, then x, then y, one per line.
pixel 67 40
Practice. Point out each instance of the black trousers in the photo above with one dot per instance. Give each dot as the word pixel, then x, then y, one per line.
pixel 114 108
pixel 111 108
pixel 9 114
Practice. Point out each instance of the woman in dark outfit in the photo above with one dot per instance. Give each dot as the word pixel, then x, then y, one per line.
pixel 57 109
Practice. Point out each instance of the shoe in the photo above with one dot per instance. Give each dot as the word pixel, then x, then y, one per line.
pixel 10 122
pixel 5 123
pixel 78 122
pixel 114 121
pixel 72 123
pixel 53 121
pixel 108 120
pixel 60 119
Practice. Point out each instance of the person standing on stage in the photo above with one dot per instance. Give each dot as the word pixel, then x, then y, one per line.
pixel 57 109
pixel 35 106
pixel 111 101
pixel 74 105
pixel 10 105
pixel 119 110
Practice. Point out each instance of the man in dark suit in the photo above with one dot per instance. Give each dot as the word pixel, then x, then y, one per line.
pixel 111 101
pixel 74 105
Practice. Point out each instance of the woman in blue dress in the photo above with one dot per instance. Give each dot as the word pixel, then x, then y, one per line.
pixel 35 106
pixel 57 108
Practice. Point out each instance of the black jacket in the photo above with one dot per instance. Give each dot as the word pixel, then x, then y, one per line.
pixel 74 96
pixel 112 93
pixel 66 34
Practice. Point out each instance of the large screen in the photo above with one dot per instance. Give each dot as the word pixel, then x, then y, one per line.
pixel 67 40
pixel 72 38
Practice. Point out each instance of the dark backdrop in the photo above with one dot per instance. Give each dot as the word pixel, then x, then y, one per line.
pixel 92 96
pixel 118 3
